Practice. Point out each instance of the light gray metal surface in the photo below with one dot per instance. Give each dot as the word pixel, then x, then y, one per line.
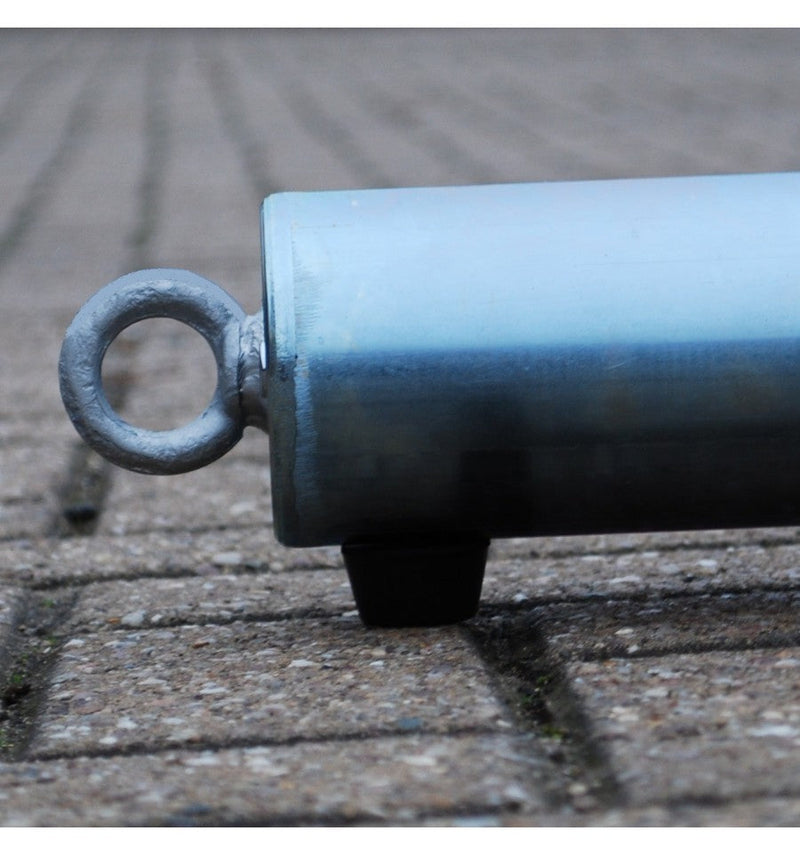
pixel 509 359
pixel 535 359
pixel 235 340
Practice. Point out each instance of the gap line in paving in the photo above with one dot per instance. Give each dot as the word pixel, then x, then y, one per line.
pixel 42 185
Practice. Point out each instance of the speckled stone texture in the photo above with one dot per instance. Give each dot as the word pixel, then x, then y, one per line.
pixel 722 725
pixel 11 606
pixel 163 660
pixel 385 779
pixel 246 682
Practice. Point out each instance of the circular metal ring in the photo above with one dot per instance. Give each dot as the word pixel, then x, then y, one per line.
pixel 181 296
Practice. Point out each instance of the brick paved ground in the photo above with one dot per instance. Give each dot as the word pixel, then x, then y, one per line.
pixel 162 659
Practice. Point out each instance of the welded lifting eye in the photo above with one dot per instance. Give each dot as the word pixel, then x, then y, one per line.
pixel 236 341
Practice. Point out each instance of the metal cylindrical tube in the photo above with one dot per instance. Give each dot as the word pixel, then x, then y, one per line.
pixel 534 359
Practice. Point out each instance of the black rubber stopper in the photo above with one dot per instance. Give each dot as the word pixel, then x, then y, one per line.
pixel 416 581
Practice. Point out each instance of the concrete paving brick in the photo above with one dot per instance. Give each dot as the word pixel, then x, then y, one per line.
pixel 206 178
pixel 629 88
pixel 722 725
pixel 14 69
pixel 33 428
pixel 703 611
pixel 29 472
pixel 232 491
pixel 48 248
pixel 646 572
pixel 757 79
pixel 289 77
pixel 761 813
pixel 388 779
pixel 492 130
pixel 171 371
pixel 31 469
pixel 210 599
pixel 44 562
pixel 26 518
pixel 34 459
pixel 359 97
pixel 11 603
pixel 169 553
pixel 29 358
pixel 654 625
pixel 570 546
pixel 300 157
pixel 27 152
pixel 247 682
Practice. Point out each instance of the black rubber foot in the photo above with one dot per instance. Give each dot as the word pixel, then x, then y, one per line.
pixel 424 581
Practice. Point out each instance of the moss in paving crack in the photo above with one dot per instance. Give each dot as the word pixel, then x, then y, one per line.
pixel 36 646
pixel 538 695
pixel 19 698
